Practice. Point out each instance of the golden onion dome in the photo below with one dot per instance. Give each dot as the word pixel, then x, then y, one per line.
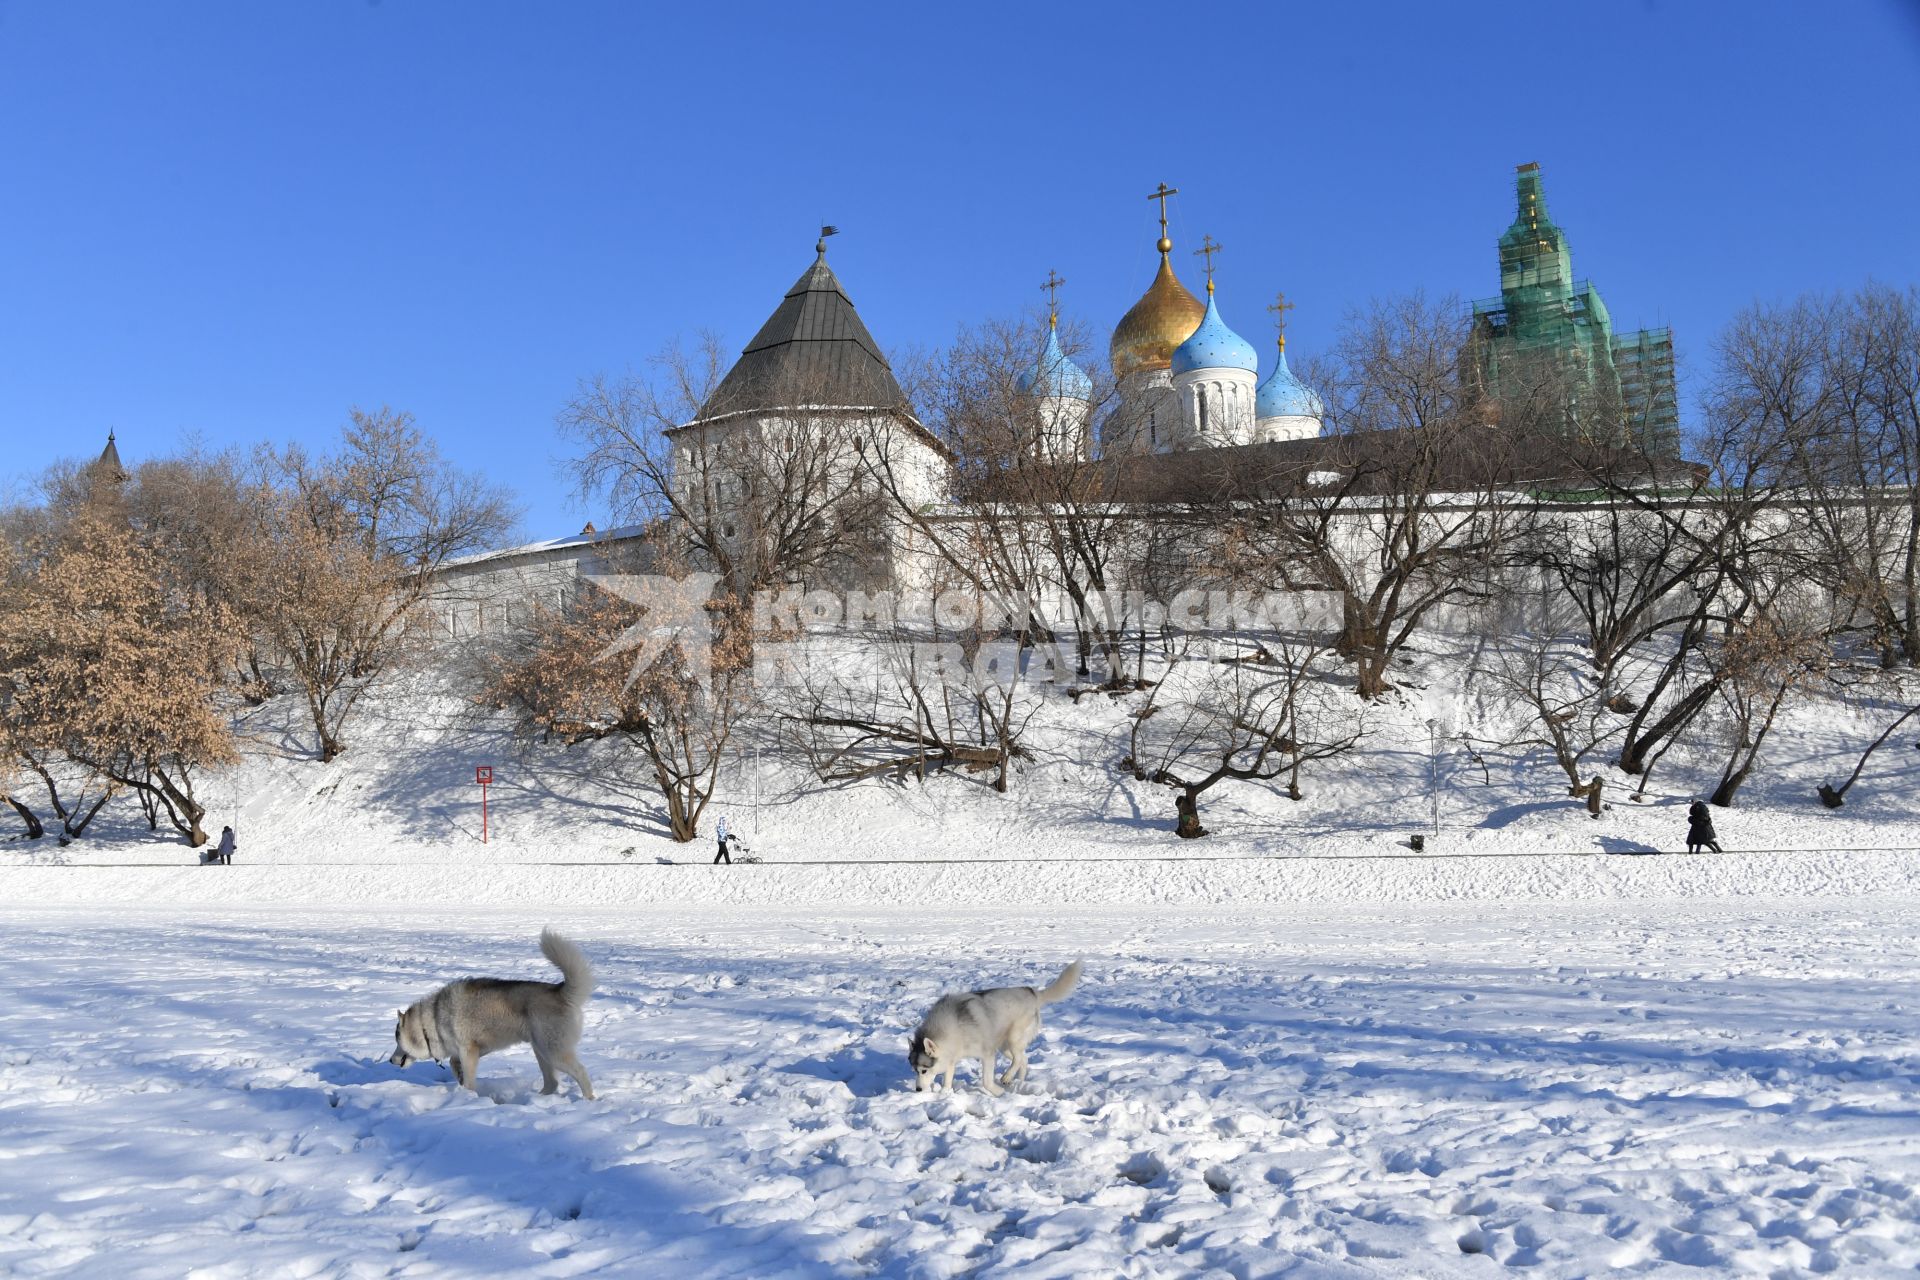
pixel 1163 319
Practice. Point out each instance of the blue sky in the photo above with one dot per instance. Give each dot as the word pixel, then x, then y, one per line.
pixel 236 220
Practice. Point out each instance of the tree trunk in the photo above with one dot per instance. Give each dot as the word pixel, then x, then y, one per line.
pixel 74 829
pixel 1187 806
pixel 34 829
pixel 183 810
pixel 1633 752
pixel 679 825
pixel 1360 641
pixel 1370 678
pixel 330 745
pixel 1834 797
pixel 1590 792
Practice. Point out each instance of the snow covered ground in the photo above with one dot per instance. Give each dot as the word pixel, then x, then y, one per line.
pixel 1300 1050
pixel 404 793
pixel 1728 1087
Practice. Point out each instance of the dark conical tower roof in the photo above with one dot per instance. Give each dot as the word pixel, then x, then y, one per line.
pixel 812 351
pixel 108 465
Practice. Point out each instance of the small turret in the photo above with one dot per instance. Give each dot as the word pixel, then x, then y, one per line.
pixel 1061 390
pixel 1286 408
pixel 107 466
pixel 1055 374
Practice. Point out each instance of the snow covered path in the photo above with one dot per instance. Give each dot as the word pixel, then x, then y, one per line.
pixel 1421 1090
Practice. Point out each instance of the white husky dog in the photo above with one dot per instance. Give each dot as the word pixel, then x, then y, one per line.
pixel 465 1020
pixel 983 1025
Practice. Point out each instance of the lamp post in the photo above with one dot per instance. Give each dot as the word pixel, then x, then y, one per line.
pixel 1433 772
pixel 483 774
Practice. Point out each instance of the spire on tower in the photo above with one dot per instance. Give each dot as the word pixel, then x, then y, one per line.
pixel 108 465
pixel 1536 268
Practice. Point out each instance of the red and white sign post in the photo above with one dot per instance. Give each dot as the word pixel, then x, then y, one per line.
pixel 483 774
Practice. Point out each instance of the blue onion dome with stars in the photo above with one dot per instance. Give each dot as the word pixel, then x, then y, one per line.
pixel 1214 346
pixel 1284 396
pixel 1053 375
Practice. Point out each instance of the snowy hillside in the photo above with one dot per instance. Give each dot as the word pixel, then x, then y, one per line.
pixel 404 792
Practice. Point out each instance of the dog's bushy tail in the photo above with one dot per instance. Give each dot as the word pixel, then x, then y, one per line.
pixel 572 963
pixel 1061 987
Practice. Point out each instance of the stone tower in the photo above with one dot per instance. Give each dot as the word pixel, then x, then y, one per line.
pixel 1545 349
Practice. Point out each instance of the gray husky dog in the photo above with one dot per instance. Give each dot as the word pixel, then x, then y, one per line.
pixel 465 1020
pixel 983 1025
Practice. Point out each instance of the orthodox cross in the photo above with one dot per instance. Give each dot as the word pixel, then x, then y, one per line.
pixel 1051 287
pixel 1208 247
pixel 1161 195
pixel 1280 306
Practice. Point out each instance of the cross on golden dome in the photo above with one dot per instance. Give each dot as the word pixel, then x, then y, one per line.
pixel 1166 245
pixel 1165 316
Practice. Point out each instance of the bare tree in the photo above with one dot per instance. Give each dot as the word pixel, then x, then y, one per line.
pixel 355 539
pixel 1779 649
pixel 1560 705
pixel 202 513
pixel 10 781
pixel 911 700
pixel 1405 508
pixel 1906 706
pixel 15 731
pixel 1849 367
pixel 1732 539
pixel 679 709
pixel 1044 518
pixel 1256 715
pixel 1626 564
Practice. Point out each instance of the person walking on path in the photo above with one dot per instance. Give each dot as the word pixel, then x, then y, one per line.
pixel 1700 828
pixel 720 830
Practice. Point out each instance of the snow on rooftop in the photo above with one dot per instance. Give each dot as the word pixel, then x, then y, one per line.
pixel 585 538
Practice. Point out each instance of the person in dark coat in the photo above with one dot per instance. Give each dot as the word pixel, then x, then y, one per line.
pixel 1700 828
pixel 720 830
